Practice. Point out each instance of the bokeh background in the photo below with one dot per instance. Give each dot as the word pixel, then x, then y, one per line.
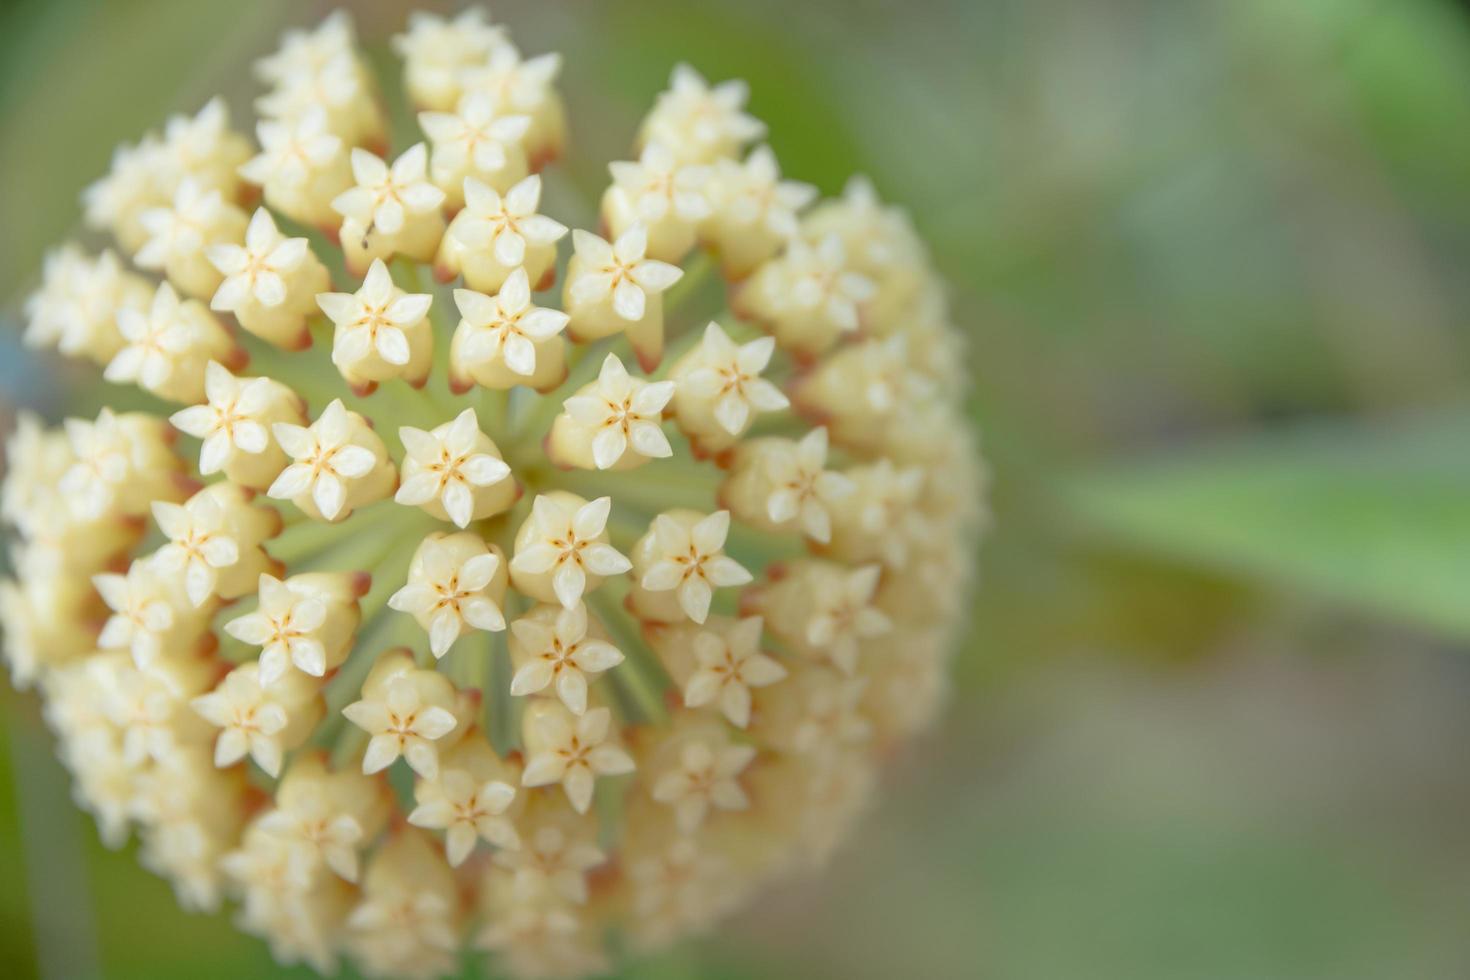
pixel 1213 717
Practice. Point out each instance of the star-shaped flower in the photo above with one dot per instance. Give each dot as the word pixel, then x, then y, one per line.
pixel 466 811
pixel 385 196
pixel 145 612
pixel 842 614
pixel 689 558
pixel 508 226
pixel 253 718
pixel 701 121
pixel 197 217
pixel 411 715
pixel 166 347
pixel 476 139
pixel 803 489
pixel 620 271
pixel 569 545
pixel 257 269
pixel 199 544
pixel 619 410
pixel 730 663
pixel 450 465
pixel 551 860
pixel 757 196
pixel 450 593
pixel 376 322
pixel 505 328
pixel 724 379
pixel 287 627
pixel 553 648
pixel 704 776
pixel 325 459
pixel 235 420
pixel 570 750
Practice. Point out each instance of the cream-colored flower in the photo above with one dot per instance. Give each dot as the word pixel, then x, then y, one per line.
pixel 381 331
pixel 478 141
pixel 322 68
pixel 151 615
pixel 305 622
pixel 524 86
pixel 178 236
pixel 683 556
pixel 115 203
pixel 407 923
pixel 614 422
pixel 435 50
pixel 301 168
pixel 263 722
pixel 339 464
pixel 455 583
pixel 391 210
pixel 704 773
pixel 324 817
pixel 573 751
pixel 728 663
pixel 808 296
pixel 824 610
pixel 120 465
pixel 755 211
pixel 270 282
pixel 668 197
pixel 700 122
pixel 406 711
pixel 616 287
pixel 214 542
pixel 562 550
pixel 466 811
pixel 562 649
pixel 494 235
pixel 167 346
pixel 783 484
pixel 504 340
pixel 202 148
pixel 455 471
pixel 234 426
pixel 553 861
pixel 719 388
pixel 75 309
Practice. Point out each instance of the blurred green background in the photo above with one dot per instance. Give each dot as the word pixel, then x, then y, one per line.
pixel 1213 718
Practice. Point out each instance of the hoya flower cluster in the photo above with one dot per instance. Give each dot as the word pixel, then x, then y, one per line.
pixel 444 576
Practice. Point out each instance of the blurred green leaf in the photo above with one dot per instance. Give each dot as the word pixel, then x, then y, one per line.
pixel 1374 516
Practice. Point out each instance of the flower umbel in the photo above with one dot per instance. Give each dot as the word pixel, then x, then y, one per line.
pixel 464 618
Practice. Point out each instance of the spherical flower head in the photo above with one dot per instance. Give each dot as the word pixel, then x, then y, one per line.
pixel 562 551
pixel 700 122
pixel 455 584
pixel 454 472
pixel 381 332
pixel 614 422
pixel 476 141
pixel 495 235
pixel 571 750
pixel 772 584
pixel 391 210
pixel 338 464
pixel 503 340
pixel 683 556
pixel 561 650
